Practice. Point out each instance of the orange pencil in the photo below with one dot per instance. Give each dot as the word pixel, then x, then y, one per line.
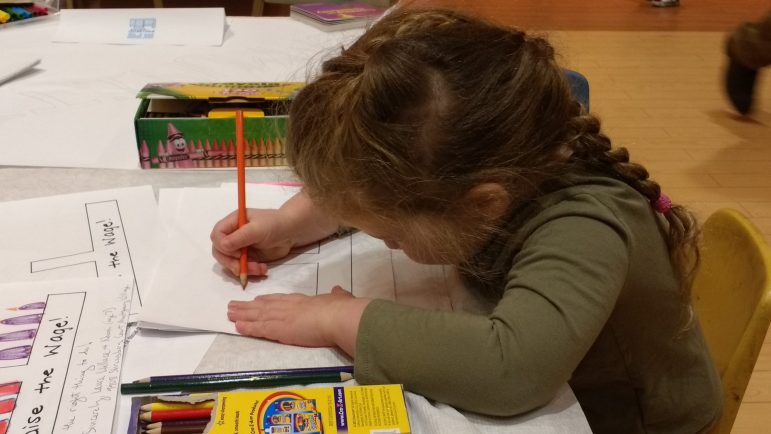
pixel 240 151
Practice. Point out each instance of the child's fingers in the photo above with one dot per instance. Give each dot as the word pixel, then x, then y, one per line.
pixel 233 264
pixel 257 268
pixel 228 262
pixel 225 226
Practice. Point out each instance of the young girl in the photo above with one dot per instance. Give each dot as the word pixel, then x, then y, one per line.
pixel 458 141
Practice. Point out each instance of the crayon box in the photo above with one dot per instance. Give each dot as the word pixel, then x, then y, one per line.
pixel 192 125
pixel 377 409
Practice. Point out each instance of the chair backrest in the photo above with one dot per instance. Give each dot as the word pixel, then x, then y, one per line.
pixel 732 298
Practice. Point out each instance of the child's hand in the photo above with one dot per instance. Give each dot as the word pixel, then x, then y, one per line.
pixel 311 321
pixel 262 235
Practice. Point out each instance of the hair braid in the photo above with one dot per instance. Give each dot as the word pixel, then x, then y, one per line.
pixel 594 149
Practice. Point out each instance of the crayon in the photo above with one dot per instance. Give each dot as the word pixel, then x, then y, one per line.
pixel 23 13
pixel 14 16
pixel 37 10
pixel 4 17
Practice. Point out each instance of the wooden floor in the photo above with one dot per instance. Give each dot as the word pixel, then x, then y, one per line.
pixel 656 83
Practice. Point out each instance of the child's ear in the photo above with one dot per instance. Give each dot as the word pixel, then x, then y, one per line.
pixel 490 199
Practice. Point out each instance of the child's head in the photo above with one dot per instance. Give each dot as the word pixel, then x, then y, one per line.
pixel 435 125
pixel 432 115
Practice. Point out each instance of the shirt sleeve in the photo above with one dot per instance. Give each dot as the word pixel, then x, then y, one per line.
pixel 560 291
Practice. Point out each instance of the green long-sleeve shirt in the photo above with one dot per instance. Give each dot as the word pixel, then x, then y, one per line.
pixel 586 294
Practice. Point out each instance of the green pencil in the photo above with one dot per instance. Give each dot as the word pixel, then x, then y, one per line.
pixel 212 385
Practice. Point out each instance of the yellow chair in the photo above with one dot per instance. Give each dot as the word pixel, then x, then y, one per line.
pixel 732 297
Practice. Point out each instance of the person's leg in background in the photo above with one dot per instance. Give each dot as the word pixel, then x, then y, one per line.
pixel 665 3
pixel 748 49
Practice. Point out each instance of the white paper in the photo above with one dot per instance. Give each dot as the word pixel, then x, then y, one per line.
pixel 66 377
pixel 93 234
pixel 11 68
pixel 174 26
pixel 191 290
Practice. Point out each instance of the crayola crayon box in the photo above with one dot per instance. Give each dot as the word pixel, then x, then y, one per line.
pixel 326 410
pixel 192 125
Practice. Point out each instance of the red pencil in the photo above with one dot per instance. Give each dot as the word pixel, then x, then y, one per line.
pixel 157 416
pixel 240 152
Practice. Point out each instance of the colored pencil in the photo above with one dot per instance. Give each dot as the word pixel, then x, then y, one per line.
pixel 158 416
pixel 179 423
pixel 240 152
pixel 177 430
pixel 212 385
pixel 246 374
pixel 158 406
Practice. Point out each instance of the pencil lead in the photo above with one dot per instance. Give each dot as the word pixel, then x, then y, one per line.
pixel 244 279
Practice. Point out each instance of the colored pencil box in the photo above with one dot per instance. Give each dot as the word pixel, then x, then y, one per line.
pixel 192 125
pixel 327 410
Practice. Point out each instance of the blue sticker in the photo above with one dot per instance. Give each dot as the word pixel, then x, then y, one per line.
pixel 141 28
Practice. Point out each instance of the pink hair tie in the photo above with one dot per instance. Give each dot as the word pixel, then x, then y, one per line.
pixel 663 204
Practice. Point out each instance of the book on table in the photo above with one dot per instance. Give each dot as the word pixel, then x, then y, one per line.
pixel 330 16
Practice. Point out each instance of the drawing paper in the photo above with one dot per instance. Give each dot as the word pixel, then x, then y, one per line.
pixel 190 291
pixel 172 26
pixel 92 234
pixel 12 68
pixel 61 350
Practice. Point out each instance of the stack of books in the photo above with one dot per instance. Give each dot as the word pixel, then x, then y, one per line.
pixel 331 16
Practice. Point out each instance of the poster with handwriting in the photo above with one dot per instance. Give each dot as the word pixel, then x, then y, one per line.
pixel 100 233
pixel 61 350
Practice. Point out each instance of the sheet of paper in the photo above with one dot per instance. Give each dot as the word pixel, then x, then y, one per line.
pixel 93 234
pixel 190 290
pixel 158 26
pixel 12 68
pixel 61 350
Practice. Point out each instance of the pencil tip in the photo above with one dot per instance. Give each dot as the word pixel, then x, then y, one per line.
pixel 244 279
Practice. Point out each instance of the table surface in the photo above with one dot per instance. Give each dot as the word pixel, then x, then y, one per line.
pixel 67 127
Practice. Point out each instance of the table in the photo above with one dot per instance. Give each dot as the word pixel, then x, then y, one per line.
pixel 67 127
